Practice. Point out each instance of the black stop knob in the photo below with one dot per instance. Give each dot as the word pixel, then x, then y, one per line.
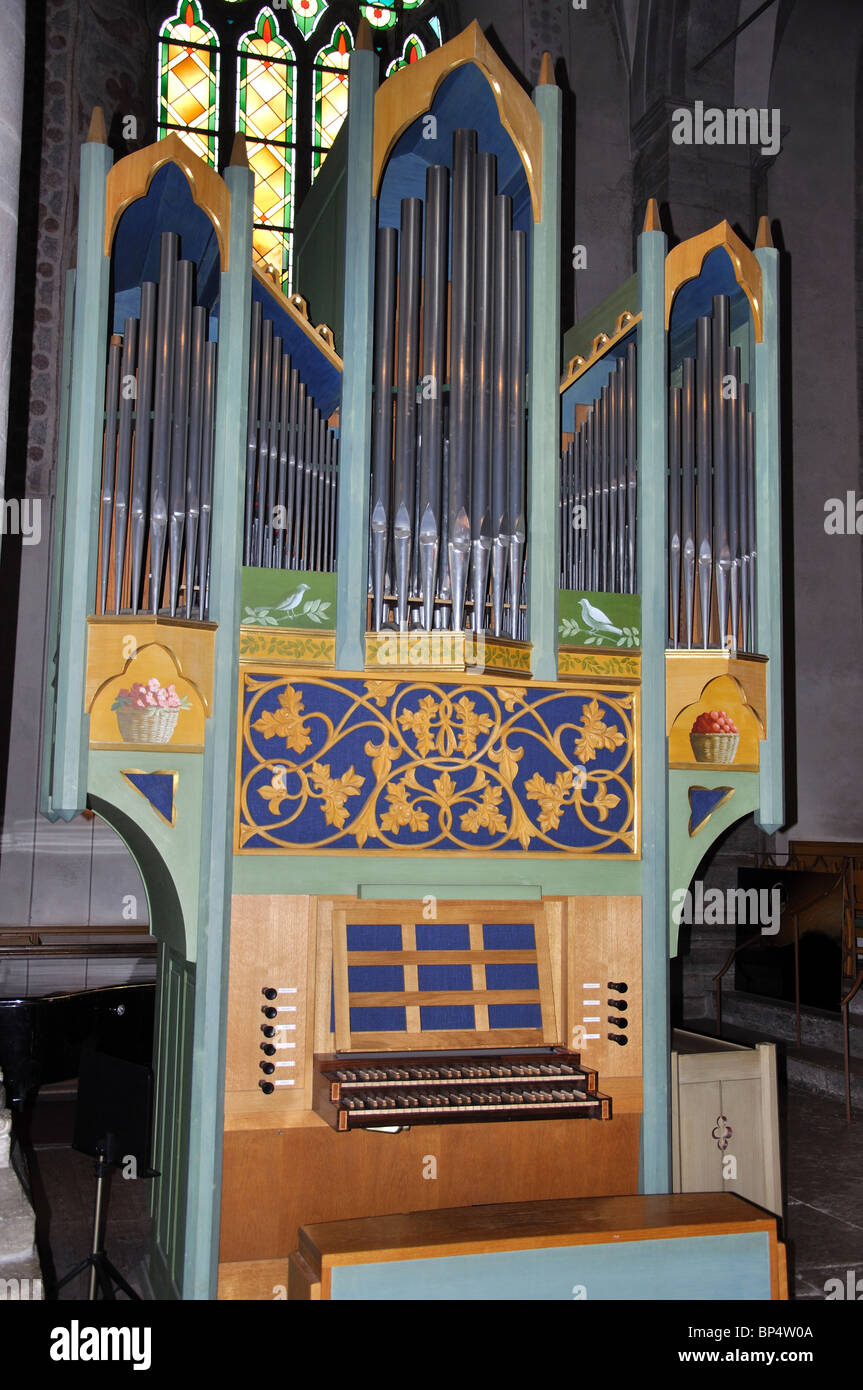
pixel 616 1038
pixel 268 992
pixel 621 986
pixel 616 1004
pixel 270 1013
pixel 267 1087
pixel 268 1049
pixel 618 1022
pixel 267 1031
pixel 267 1068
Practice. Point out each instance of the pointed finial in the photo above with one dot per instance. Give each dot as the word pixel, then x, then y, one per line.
pixel 364 36
pixel 546 71
pixel 651 217
pixel 764 237
pixel 98 133
pixel 239 158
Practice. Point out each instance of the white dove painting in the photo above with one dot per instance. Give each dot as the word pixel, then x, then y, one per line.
pixel 293 609
pixel 594 628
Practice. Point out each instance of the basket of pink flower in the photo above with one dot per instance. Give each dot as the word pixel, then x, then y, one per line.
pixel 148 713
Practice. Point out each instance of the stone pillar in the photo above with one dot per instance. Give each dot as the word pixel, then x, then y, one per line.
pixel 11 93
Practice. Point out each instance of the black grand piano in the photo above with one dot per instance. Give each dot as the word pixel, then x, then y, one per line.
pixel 41 1038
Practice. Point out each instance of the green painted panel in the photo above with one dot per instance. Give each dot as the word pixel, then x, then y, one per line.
pixel 319 242
pixel 543 452
pixel 655 1170
pixel 768 515
pixel 461 877
pixel 288 598
pixel 80 530
pixel 588 619
pixel 686 852
pixel 53 635
pixel 166 855
pixel 356 415
pixel 175 1002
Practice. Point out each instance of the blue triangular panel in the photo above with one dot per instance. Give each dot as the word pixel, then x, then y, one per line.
pixel 703 801
pixel 158 788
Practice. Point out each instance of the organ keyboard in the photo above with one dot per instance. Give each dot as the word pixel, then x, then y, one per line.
pixel 361 1092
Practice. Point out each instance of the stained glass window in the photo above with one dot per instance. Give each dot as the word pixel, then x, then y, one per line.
pixel 266 82
pixel 380 16
pixel 307 13
pixel 411 53
pixel 189 80
pixel 331 93
pixel 269 71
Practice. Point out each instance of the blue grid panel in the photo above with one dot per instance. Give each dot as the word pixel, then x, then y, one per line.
pixel 362 979
pixel 439 1017
pixel 374 936
pixel 444 977
pixel 506 936
pixel 378 1021
pixel 442 936
pixel 514 1016
pixel 511 976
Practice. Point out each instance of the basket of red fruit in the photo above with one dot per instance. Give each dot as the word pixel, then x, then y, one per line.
pixel 714 737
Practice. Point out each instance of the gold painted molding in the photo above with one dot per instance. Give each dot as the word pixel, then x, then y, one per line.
pixel 624 324
pixel 130 178
pixel 594 664
pixel 410 92
pixel 683 263
pixel 414 652
pixel 262 646
pixel 297 309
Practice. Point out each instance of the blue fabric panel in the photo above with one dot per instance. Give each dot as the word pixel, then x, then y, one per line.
pixel 511 977
pixel 157 787
pixel 362 979
pixel 514 1016
pixel 454 1016
pixel 167 207
pixel 704 800
pixel 374 937
pixel 723 1268
pixel 505 936
pixel 442 936
pixel 444 977
pixel 378 1021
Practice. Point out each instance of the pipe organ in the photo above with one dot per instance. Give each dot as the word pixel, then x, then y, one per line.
pixel 385 656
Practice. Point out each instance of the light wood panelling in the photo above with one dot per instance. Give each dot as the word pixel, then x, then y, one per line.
pixel 276 1181
pixel 260 1280
pixel 272 945
pixel 603 945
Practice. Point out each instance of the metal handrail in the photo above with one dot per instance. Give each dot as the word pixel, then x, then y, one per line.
pixel 846 1042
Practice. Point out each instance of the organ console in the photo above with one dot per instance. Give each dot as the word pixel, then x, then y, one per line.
pixel 401 892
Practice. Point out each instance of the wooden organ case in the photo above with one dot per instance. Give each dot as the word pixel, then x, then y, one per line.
pixel 463 738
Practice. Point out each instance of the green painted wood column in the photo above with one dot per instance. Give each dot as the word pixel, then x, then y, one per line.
pixel 768 531
pixel 216 851
pixel 655 1175
pixel 358 339
pixel 59 531
pixel 544 397
pixel 83 478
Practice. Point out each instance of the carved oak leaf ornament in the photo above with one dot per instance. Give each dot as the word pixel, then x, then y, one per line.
pixel 595 733
pixel 286 722
pixel 334 792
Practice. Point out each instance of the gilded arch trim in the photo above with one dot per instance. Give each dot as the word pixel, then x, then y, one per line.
pixel 410 92
pixel 683 263
pixel 131 177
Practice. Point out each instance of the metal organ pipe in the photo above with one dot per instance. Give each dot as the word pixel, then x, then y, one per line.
pixel 481 533
pixel 433 374
pixel 462 350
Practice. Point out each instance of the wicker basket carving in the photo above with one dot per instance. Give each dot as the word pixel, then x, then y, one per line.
pixel 714 748
pixel 153 725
